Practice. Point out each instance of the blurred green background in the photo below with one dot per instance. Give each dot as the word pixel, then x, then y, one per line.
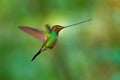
pixel 89 51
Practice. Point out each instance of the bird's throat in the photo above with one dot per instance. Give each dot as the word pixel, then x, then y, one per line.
pixel 54 34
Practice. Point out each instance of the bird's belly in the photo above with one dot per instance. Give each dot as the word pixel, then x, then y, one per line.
pixel 51 43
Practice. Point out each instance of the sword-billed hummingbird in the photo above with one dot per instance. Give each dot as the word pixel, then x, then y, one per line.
pixel 48 38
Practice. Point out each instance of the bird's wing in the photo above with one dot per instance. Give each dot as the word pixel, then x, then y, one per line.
pixel 48 28
pixel 39 34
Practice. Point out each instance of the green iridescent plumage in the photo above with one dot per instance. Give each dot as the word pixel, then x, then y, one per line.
pixel 48 38
pixel 53 36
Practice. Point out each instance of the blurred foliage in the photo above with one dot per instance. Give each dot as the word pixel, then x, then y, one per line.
pixel 90 51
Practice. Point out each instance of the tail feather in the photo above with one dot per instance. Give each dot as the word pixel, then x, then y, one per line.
pixel 36 55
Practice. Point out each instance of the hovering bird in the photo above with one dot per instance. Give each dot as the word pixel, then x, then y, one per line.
pixel 48 38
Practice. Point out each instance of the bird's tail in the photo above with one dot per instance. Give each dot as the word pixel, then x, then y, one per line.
pixel 36 54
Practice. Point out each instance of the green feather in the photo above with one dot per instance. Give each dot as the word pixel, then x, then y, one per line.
pixel 51 39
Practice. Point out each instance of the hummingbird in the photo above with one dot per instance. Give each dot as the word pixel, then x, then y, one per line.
pixel 50 37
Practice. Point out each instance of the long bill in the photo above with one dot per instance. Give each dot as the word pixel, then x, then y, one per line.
pixel 78 23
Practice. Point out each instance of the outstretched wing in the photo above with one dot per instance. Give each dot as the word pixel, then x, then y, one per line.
pixel 41 35
pixel 48 28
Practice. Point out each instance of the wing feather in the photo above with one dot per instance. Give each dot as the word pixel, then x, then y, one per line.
pixel 48 28
pixel 39 34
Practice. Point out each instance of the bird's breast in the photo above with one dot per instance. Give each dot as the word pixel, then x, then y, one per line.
pixel 51 41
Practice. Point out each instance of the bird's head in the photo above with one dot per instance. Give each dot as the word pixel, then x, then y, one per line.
pixel 57 28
